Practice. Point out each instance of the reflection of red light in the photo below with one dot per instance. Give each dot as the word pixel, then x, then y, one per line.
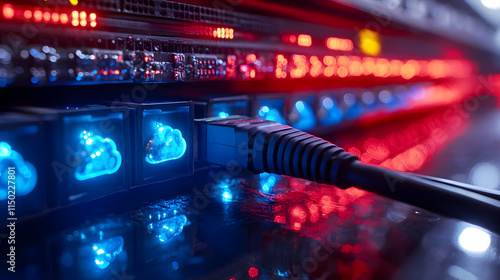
pixel 253 272
pixel 304 40
pixel 8 11
pixel 346 248
pixel 299 213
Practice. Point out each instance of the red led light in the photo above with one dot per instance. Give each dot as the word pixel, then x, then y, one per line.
pixel 55 18
pixel 8 11
pixel 38 16
pixel 28 15
pixel 304 40
pixel 64 18
pixel 339 44
pixel 253 272
pixel 46 17
pixel 251 58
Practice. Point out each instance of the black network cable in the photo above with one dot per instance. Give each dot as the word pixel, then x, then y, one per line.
pixel 266 146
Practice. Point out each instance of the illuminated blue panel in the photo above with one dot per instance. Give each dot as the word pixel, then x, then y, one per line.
pixel 92 152
pixel 165 147
pixel 330 112
pixel 23 146
pixel 99 156
pixel 105 252
pixel 166 144
pixel 271 109
pixel 25 173
pixel 302 115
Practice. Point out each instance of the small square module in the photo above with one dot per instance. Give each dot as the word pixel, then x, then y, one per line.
pixel 90 151
pixel 162 145
pixel 23 155
pixel 302 114
pixel 271 107
pixel 222 107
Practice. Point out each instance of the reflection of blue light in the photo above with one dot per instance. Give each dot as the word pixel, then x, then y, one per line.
pixel 25 173
pixel 474 240
pixel 306 117
pixel 169 228
pixel 268 181
pixel 223 115
pixel 105 252
pixel 334 113
pixel 99 156
pixel 167 144
pixel 271 114
pixel 227 196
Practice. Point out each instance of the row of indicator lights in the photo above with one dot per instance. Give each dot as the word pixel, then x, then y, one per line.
pixel 221 33
pixel 344 66
pixel 76 18
pixel 332 43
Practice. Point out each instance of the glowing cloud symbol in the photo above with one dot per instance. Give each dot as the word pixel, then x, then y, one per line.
pixel 167 144
pixel 105 252
pixel 99 156
pixel 25 176
pixel 167 229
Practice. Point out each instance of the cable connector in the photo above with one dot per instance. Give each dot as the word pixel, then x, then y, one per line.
pixel 266 146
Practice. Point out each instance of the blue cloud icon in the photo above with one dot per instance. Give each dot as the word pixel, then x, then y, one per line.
pixel 105 252
pixel 99 156
pixel 25 173
pixel 167 144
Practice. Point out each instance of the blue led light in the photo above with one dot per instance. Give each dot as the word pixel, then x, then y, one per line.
pixel 167 144
pixel 271 114
pixel 166 230
pixel 354 107
pixel 223 115
pixel 334 113
pixel 99 156
pixel 306 118
pixel 105 252
pixel 26 175
pixel 227 196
